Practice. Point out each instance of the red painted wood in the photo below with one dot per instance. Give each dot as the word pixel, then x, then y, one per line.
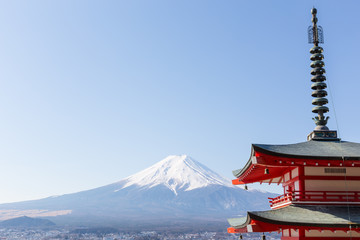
pixel 237 182
pixel 278 165
pixel 301 181
pixel 302 232
pixel 319 238
pixel 236 230
pixel 255 173
pixel 267 159
pixel 315 197
pixel 291 181
pixel 259 226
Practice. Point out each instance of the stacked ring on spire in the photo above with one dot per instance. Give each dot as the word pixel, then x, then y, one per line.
pixel 319 80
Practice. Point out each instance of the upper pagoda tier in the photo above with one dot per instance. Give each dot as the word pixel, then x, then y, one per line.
pixel 320 177
pixel 268 163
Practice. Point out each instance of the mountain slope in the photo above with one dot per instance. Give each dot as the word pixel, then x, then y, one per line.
pixel 175 188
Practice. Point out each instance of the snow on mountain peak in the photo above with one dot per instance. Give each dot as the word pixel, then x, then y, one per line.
pixel 177 173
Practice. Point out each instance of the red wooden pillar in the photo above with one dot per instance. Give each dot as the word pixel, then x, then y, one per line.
pixel 301 181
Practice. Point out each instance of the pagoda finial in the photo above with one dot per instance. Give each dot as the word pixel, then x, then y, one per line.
pixel 315 34
pixel 321 131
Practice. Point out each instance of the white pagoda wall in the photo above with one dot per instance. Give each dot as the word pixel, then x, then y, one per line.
pixel 330 234
pixel 320 171
pixel 332 185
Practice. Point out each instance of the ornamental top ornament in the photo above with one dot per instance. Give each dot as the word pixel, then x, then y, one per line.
pixel 321 131
pixel 315 35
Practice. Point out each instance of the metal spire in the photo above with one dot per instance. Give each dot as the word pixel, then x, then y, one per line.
pixel 315 34
pixel 321 131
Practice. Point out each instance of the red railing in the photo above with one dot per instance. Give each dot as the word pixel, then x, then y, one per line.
pixel 327 196
pixel 320 197
pixel 282 199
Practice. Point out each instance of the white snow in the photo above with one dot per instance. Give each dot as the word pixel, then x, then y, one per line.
pixel 176 173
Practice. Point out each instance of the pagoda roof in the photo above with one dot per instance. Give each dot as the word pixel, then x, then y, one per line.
pixel 313 149
pixel 302 215
pixel 277 158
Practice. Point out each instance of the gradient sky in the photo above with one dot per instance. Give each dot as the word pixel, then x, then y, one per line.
pixel 94 91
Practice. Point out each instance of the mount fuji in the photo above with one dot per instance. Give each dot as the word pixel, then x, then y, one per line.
pixel 175 191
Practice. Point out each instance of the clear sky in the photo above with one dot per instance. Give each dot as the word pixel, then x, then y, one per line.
pixel 94 91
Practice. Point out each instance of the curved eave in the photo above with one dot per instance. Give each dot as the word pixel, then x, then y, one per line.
pixel 237 173
pixel 248 224
pixel 256 173
pixel 240 223
pixel 280 160
pixel 255 168
pixel 294 216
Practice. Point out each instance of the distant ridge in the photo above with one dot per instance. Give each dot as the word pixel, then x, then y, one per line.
pixel 175 191
pixel 27 222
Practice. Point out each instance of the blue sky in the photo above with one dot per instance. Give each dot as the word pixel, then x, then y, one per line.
pixel 94 91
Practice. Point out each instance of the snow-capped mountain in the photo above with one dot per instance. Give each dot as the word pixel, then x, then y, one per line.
pixel 176 173
pixel 175 189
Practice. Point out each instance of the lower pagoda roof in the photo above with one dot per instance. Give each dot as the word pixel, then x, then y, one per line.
pixel 299 215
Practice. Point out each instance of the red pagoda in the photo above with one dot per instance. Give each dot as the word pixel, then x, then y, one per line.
pixel 320 177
